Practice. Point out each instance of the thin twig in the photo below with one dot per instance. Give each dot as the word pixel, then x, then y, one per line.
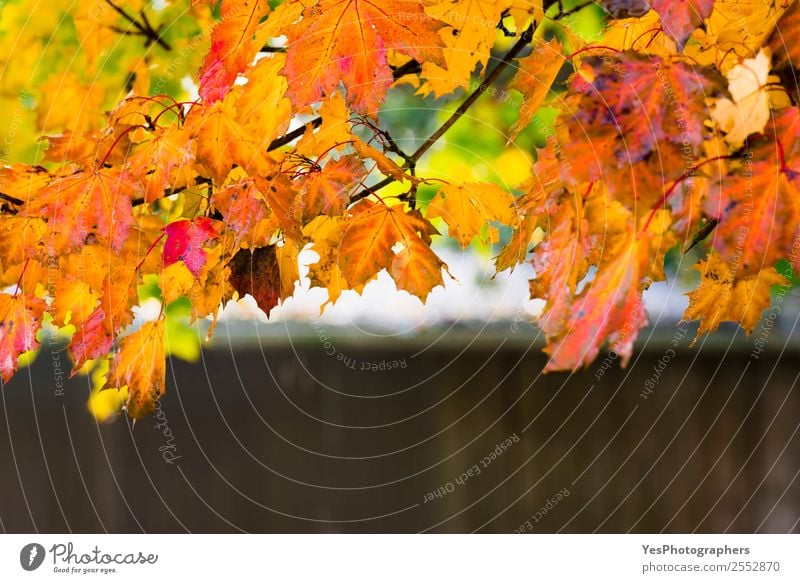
pixel 564 13
pixel 11 199
pixel 145 29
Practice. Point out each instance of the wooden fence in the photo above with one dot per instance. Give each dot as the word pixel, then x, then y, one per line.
pixel 333 435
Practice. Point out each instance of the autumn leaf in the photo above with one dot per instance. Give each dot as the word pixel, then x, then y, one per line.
pixel 735 30
pixel 757 202
pixel 468 208
pixel 326 190
pixel 679 19
pixel 611 308
pixel 385 164
pixel 347 41
pixel 232 47
pixel 88 202
pixel 91 340
pixel 724 296
pixel 256 272
pixel 326 236
pixel 642 33
pixel 468 38
pixel 559 263
pixel 536 75
pixel 140 365
pixel 334 129
pixel 266 273
pixel 618 94
pixel 368 240
pixel 20 320
pixel 185 241
pixel 164 162
pixel 749 109
pixel 222 141
pixel 245 212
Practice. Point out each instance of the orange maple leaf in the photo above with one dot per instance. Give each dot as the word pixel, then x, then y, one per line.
pixel 368 245
pixel 347 41
pixel 140 365
pixel 92 201
pixel 232 47
pixel 20 319
pixel 758 204
pixel 324 191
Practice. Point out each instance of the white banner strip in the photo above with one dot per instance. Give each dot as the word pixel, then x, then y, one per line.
pixel 400 558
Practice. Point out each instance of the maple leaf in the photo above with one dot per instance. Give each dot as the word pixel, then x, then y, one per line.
pixel 642 33
pixel 21 238
pixel 334 129
pixel 77 205
pixel 735 30
pixel 91 340
pixel 367 246
pixel 164 162
pixel 559 263
pixel 680 19
pixel 266 273
pixel 20 320
pixel 724 296
pixel 245 212
pixel 468 38
pixel 758 203
pixel 280 197
pixel 347 41
pixel 326 190
pixel 536 75
pixel 326 235
pixel 468 208
pixel 610 308
pixel 232 47
pixel 256 272
pixel 262 107
pixel 222 141
pixel 140 365
pixel 749 110
pixel 620 93
pixel 73 300
pixel 185 240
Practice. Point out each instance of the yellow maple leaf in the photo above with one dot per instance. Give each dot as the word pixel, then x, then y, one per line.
pixel 750 85
pixel 140 366
pixel 468 208
pixel 536 75
pixel 722 296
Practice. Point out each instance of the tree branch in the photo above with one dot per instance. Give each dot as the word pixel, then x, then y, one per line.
pixel 523 41
pixel 409 68
pixel 293 135
pixel 145 29
pixel 11 199
pixel 564 13
pixel 513 52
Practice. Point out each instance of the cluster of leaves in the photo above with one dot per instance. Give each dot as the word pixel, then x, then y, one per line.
pixel 673 128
